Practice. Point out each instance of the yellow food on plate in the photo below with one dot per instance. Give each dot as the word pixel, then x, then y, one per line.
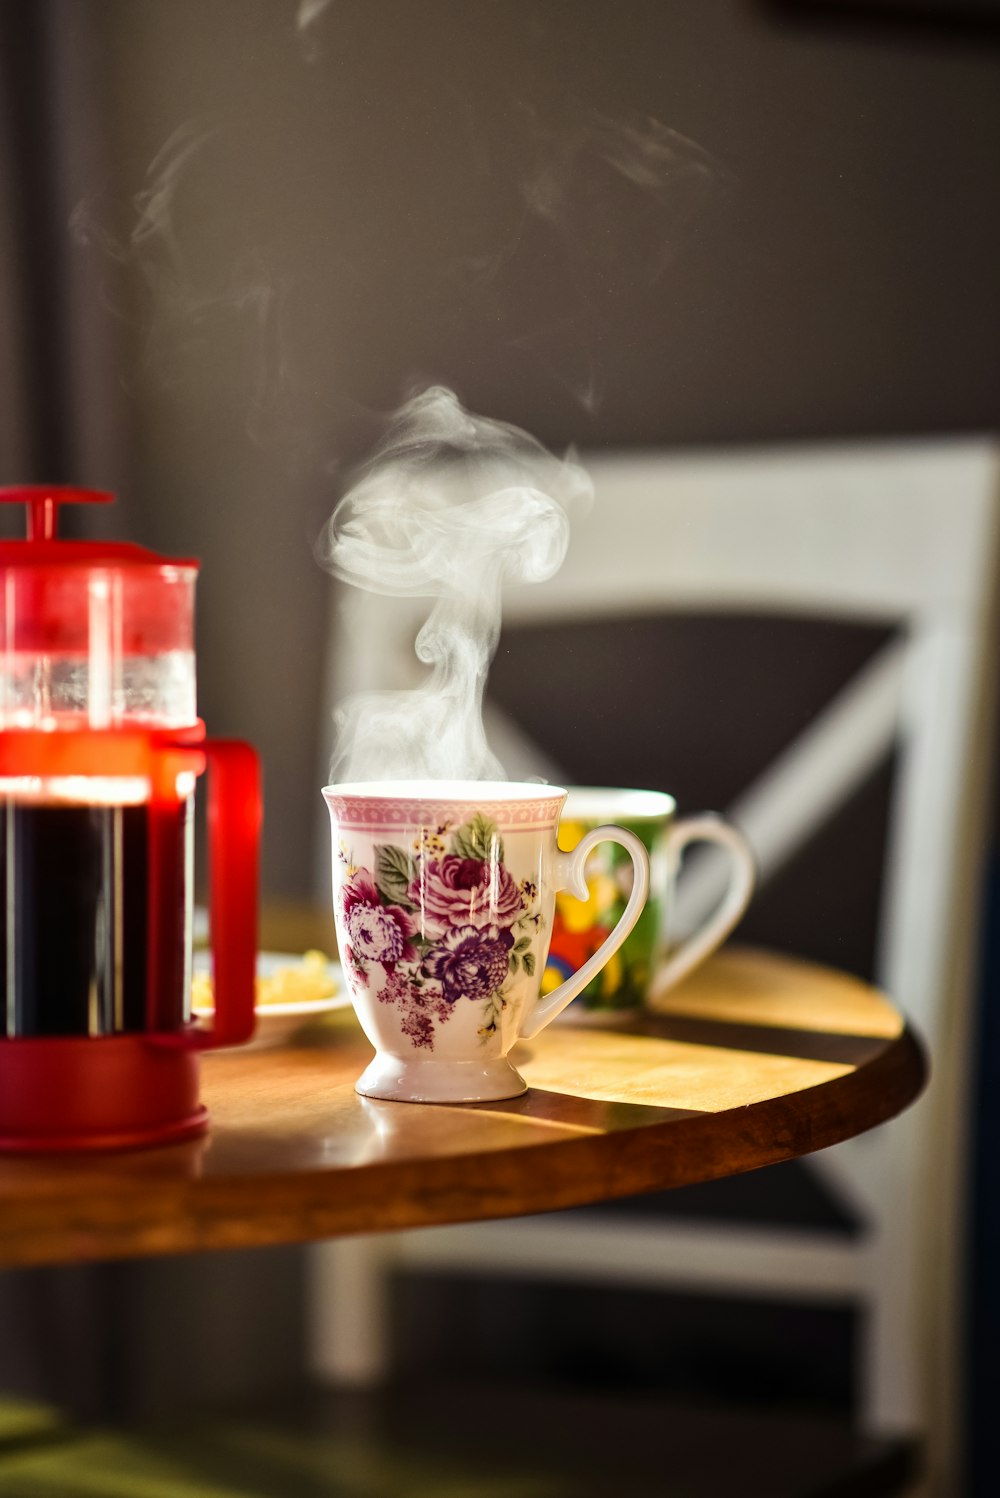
pixel 302 982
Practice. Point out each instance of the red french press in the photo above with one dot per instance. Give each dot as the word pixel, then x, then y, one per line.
pixel 100 748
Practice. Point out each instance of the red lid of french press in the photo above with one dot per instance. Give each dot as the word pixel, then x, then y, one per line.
pixel 43 547
pixel 103 601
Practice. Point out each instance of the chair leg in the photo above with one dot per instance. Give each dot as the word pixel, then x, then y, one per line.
pixel 349 1311
pixel 912 1371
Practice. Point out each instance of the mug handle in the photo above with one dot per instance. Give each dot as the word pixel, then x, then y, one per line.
pixel 701 943
pixel 569 874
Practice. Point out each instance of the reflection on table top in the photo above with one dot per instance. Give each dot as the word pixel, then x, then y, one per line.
pixel 757 1058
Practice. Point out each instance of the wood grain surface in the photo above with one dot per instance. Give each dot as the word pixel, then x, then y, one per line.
pixel 755 1059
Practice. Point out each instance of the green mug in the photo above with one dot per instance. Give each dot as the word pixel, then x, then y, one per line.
pixel 644 967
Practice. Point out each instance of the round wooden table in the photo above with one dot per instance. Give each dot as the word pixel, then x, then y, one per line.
pixel 755 1059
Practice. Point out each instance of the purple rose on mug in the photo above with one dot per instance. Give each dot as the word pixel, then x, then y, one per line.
pixel 470 963
pixel 453 891
pixel 378 933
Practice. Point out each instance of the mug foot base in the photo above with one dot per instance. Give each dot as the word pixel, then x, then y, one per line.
pixel 426 1081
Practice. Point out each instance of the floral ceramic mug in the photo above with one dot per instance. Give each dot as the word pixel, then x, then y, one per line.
pixel 443 896
pixel 646 966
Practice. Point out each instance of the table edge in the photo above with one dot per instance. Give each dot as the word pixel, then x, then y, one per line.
pixel 209 1213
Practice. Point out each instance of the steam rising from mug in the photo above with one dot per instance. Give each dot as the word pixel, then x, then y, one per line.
pixel 450 506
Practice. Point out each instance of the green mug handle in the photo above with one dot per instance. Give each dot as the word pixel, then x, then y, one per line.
pixel 569 874
pixel 701 943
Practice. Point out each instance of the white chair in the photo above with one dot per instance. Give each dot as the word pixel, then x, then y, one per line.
pixel 905 534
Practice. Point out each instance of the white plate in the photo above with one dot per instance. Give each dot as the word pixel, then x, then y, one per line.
pixel 277 1023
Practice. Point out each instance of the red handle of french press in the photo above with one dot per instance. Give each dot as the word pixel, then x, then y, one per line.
pixel 234 819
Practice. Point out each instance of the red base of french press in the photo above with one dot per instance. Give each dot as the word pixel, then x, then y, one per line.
pixel 96 1093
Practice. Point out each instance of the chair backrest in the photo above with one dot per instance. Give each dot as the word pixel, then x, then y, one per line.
pixel 901 534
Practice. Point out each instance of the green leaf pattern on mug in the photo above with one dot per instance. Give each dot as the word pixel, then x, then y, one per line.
pixel 478 840
pixel 395 871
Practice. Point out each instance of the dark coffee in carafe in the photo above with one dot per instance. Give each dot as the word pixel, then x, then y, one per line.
pixel 75 917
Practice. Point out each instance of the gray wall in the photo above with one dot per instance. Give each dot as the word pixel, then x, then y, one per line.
pixel 482 195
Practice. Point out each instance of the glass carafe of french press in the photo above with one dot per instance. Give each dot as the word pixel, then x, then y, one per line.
pixel 100 748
